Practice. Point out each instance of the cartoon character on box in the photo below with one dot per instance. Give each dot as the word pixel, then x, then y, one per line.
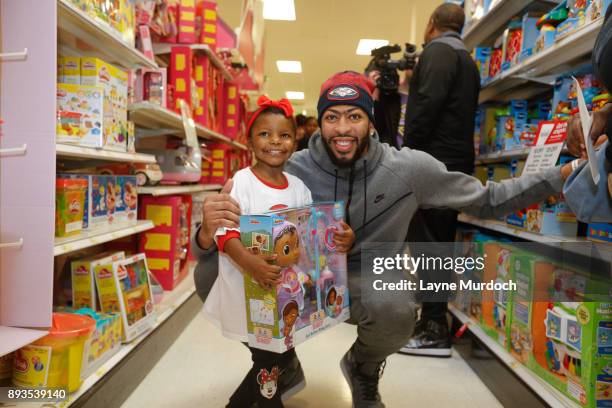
pixel 290 315
pixel 111 199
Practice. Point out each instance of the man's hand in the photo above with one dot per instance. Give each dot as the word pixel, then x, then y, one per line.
pixel 259 268
pixel 344 238
pixel 575 138
pixel 219 210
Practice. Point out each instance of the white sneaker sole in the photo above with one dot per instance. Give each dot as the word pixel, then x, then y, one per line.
pixel 290 392
pixel 433 352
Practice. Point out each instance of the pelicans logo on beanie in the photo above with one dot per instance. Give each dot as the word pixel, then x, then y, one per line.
pixel 347 88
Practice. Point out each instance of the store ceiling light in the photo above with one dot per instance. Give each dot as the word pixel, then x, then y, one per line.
pixel 279 10
pixel 294 95
pixel 292 67
pixel 366 45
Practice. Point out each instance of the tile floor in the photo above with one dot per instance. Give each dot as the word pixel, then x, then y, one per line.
pixel 202 368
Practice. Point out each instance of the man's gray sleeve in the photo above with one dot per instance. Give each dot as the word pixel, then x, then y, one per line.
pixel 435 187
pixel 207 267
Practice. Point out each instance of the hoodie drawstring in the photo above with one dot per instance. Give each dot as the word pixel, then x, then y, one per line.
pixel 350 194
pixel 336 185
pixel 365 195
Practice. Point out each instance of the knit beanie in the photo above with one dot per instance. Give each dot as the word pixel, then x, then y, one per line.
pixel 347 88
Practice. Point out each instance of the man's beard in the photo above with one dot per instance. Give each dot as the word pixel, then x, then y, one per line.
pixel 348 162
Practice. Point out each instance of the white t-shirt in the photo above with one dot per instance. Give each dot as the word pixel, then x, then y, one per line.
pixel 225 305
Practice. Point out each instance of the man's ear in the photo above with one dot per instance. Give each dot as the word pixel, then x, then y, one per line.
pixel 371 129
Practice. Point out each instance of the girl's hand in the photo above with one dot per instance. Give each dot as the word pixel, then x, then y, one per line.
pixel 344 238
pixel 259 268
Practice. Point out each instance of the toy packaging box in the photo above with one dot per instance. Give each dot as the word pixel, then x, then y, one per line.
pixel 113 80
pixel 127 199
pixel 86 202
pixel 313 295
pixel 530 35
pixel 217 169
pixel 207 10
pixel 69 206
pixel 167 245
pixel 83 281
pixel 572 338
pixel 124 287
pixel 80 113
pixel 180 74
pixel 71 70
pixel 104 342
pixel 102 201
pixel 600 232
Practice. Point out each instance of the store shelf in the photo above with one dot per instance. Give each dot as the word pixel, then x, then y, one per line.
pixel 83 34
pixel 503 156
pixel 545 391
pixel 539 70
pixel 185 189
pixel 82 153
pixel 493 21
pixel 163 50
pixel 170 303
pixel 90 238
pixel 13 338
pixel 152 116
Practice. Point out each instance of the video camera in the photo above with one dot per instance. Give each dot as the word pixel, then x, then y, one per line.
pixel 389 78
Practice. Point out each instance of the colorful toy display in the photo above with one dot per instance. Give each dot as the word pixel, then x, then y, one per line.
pixel 207 10
pixel 102 201
pixel 313 294
pixel 104 342
pixel 113 80
pixel 127 199
pixel 69 206
pixel 600 232
pixel 123 287
pixel 83 280
pixel 80 112
pixel 167 244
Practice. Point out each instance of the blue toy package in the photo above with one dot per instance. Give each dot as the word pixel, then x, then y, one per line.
pixel 600 232
pixel 562 105
pixel 482 56
pixel 102 201
pixel 313 294
pixel 530 35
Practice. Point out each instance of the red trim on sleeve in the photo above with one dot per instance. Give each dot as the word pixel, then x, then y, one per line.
pixel 222 239
pixel 267 183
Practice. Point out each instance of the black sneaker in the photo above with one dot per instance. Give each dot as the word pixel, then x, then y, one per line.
pixel 433 340
pixel 363 380
pixel 291 379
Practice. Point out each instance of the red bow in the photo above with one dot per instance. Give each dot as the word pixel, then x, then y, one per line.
pixel 283 104
pixel 264 376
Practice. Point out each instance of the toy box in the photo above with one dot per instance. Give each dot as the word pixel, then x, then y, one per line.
pixel 513 38
pixel 231 114
pixel 530 34
pixel 217 170
pixel 577 9
pixel 600 232
pixel 104 342
pixel 150 85
pixel 83 281
pixel 86 202
pixel 186 21
pixel 181 66
pixel 496 306
pixel 520 341
pixel 71 70
pixel 80 112
pixel 546 38
pixel 123 287
pixel 102 201
pixel 207 10
pixel 313 295
pixel 596 9
pixel 113 80
pixel 69 206
pixel 202 77
pixel 167 245
pixel 495 63
pixel 561 104
pixel 482 56
pixel 572 347
pixel 127 199
pixel 144 43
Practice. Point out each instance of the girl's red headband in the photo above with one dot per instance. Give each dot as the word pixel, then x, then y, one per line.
pixel 264 103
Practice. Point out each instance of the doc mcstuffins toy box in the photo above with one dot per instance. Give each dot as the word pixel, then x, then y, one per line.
pixel 313 295
pixel 123 287
pixel 572 337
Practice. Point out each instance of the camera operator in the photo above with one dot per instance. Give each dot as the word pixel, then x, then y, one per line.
pixel 440 116
pixel 391 95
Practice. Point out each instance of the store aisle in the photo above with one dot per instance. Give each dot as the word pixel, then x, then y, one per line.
pixel 202 368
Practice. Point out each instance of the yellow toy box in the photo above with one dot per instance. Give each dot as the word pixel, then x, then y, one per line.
pixel 80 111
pixel 83 282
pixel 113 80
pixel 71 70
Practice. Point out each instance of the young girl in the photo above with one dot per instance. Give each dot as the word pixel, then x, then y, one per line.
pixel 271 137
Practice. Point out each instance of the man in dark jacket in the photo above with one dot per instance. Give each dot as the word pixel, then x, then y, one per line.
pixel 441 110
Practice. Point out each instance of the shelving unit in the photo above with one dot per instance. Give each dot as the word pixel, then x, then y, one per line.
pixel 13 338
pixel 152 116
pixel 184 189
pixel 162 51
pixel 537 73
pixel 504 156
pixel 84 35
pixel 83 153
pixel 550 395
pixel 90 238
pixel 170 303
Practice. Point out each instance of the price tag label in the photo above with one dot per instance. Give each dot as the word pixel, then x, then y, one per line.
pixel 548 145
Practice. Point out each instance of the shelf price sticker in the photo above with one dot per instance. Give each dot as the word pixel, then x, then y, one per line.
pixel 547 147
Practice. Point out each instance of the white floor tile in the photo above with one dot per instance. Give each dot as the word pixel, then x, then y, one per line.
pixel 202 369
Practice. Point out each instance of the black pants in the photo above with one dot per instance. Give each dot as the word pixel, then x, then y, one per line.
pixel 435 225
pixel 260 385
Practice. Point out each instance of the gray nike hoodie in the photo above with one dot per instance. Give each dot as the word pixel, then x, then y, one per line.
pixel 384 188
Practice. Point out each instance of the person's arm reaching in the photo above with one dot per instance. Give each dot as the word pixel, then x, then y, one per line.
pixel 264 273
pixel 435 187
pixel 436 71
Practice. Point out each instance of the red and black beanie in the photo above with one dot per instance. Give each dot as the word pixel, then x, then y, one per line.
pixel 347 88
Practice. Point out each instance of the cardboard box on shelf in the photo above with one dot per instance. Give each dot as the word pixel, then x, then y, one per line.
pixel 80 115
